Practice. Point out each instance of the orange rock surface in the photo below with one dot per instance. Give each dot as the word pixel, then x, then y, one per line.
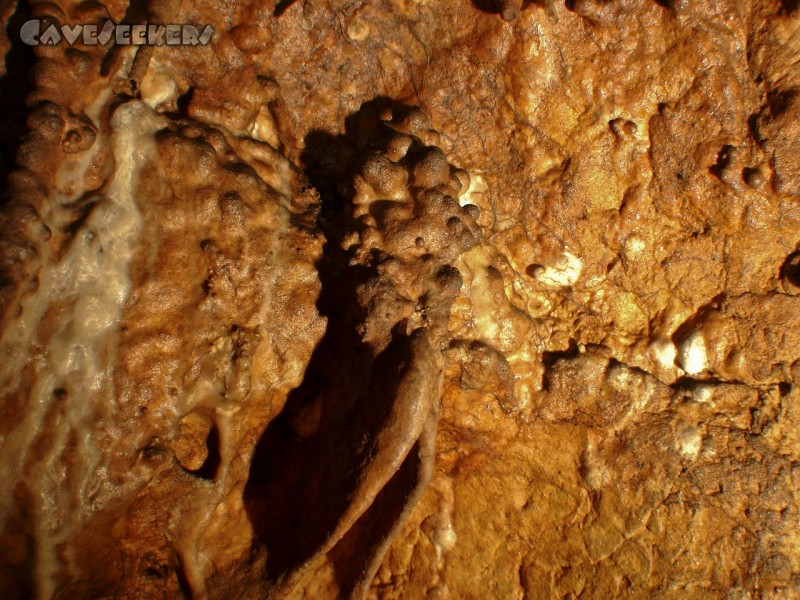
pixel 403 299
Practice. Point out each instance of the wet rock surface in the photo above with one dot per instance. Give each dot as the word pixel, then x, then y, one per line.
pixel 403 299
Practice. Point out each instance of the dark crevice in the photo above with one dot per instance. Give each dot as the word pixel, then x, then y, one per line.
pixel 15 87
pixel 307 464
pixel 550 358
pixel 780 100
pixel 722 162
pixel 487 6
pixel 790 269
pixel 509 8
pixel 183 104
pixel 349 560
pixel 18 554
pixel 213 459
pixel 687 383
pixel 282 6
pixel 688 326
pixel 183 582
pixel 753 126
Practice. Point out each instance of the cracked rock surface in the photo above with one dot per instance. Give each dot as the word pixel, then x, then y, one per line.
pixel 403 299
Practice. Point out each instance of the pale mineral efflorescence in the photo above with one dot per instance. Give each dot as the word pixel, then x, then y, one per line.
pixel 402 299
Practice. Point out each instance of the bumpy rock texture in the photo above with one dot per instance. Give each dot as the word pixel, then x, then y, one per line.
pixel 403 299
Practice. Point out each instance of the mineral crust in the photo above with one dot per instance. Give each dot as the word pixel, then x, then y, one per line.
pixel 402 299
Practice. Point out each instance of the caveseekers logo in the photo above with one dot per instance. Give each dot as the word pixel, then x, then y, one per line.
pixel 36 32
